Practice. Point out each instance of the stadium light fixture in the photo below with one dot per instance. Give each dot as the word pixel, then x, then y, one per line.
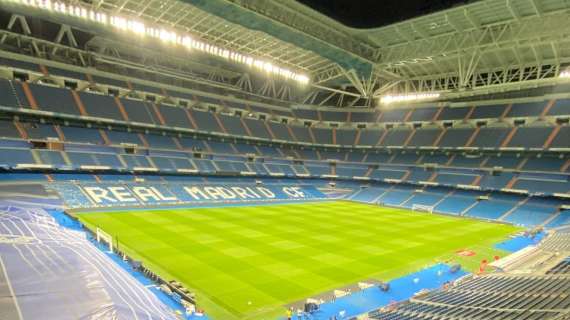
pixel 168 36
pixel 565 74
pixel 408 97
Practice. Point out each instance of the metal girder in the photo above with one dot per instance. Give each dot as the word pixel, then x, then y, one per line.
pixel 519 34
pixel 302 18
pixel 215 30
pixel 483 81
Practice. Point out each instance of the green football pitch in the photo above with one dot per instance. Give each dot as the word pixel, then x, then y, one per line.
pixel 247 262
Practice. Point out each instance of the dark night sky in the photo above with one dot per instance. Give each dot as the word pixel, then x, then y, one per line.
pixel 377 13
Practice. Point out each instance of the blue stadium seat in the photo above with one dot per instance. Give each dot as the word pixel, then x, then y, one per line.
pixel 108 159
pixel 455 204
pixel 396 137
pixel 138 111
pixel 378 158
pixel 381 174
pixel 490 209
pixel 345 137
pixel 99 105
pixel 133 161
pixel 54 158
pixel 370 137
pixel 544 185
pixel 397 195
pixel 54 99
pixel 424 137
pixel 334 116
pixel 456 137
pixel 308 154
pixel 495 182
pixel 530 137
pixel 280 131
pixel 175 116
pixel 83 135
pixel 544 163
pixel 257 128
pixel 12 157
pixel 454 178
pixel 441 159
pixel 269 151
pixel 450 113
pixel 306 114
pixel 233 125
pixel 423 114
pixel 8 130
pixel 245 149
pixel 192 144
pixel 406 158
pixel 469 161
pixel 561 107
pixel 419 174
pixel 302 134
pixel 349 171
pixel 363 116
pixel 562 139
pixel 8 97
pixel 39 131
pixel 322 135
pixel 396 115
pixel 160 142
pixel 118 137
pixel 204 165
pixel 355 156
pixel 490 137
pixel 528 109
pixel 506 161
pixel 82 159
pixel 205 121
pixel 221 147
pixel 488 112
pixel 530 215
pixel 332 155
pixel 318 169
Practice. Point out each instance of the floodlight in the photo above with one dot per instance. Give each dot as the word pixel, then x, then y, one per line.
pixel 141 29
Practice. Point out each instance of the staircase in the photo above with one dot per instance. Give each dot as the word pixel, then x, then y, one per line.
pixel 513 209
pixel 447 195
pixel 552 217
pixel 462 213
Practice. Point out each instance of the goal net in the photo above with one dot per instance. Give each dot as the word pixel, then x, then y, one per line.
pixel 106 238
pixel 422 208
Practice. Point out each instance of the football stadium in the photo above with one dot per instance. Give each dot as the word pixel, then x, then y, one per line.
pixel 273 159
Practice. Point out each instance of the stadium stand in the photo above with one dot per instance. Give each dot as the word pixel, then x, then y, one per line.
pixel 103 131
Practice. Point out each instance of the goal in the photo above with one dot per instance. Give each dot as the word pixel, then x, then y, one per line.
pixel 422 208
pixel 106 238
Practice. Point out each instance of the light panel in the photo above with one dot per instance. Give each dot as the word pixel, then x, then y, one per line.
pixel 408 97
pixel 168 36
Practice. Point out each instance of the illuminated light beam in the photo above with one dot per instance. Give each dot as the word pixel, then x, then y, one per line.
pixel 171 37
pixel 408 97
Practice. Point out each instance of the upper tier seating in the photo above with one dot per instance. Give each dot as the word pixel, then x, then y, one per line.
pixel 99 105
pixel 530 136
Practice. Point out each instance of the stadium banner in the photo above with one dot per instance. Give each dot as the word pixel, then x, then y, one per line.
pixel 83 195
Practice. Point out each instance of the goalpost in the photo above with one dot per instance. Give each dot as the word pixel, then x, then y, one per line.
pixel 422 208
pixel 107 238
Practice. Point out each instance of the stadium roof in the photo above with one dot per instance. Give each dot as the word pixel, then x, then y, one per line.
pixel 485 46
